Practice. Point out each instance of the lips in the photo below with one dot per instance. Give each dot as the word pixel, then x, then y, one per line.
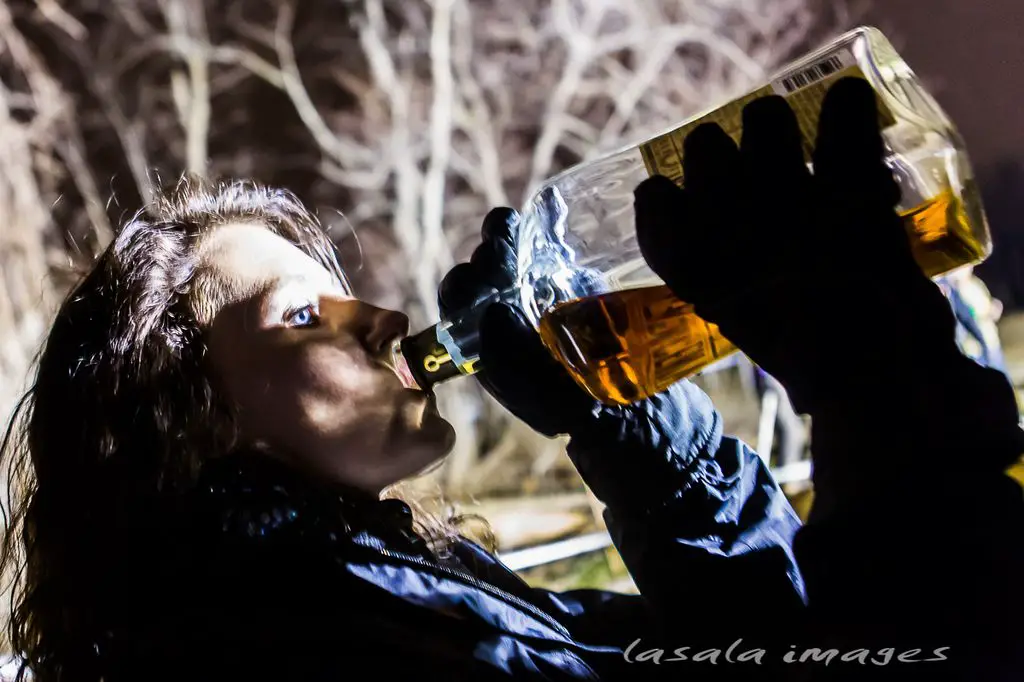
pixel 400 367
pixel 402 370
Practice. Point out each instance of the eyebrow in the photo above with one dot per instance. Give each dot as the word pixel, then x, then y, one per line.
pixel 294 278
pixel 287 280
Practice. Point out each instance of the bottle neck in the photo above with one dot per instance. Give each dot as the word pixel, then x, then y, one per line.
pixel 429 362
pixel 451 347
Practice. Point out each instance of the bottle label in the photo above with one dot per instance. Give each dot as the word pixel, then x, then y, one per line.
pixel 839 64
pixel 804 90
pixel 428 361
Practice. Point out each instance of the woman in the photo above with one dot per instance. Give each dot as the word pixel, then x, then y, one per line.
pixel 201 464
pixel 215 417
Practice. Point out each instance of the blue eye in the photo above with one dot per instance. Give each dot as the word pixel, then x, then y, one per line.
pixel 303 317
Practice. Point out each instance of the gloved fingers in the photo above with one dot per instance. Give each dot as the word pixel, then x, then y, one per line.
pixel 710 160
pixel 520 372
pixel 773 159
pixel 496 263
pixel 657 195
pixel 496 259
pixel 772 145
pixel 660 208
pixel 662 218
pixel 461 288
pixel 857 189
pixel 509 345
pixel 849 155
pixel 714 183
pixel 501 225
pixel 492 267
pixel 775 178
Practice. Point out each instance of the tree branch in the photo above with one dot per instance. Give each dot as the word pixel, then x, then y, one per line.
pixel 435 249
pixel 185 19
pixel 478 126
pixel 342 152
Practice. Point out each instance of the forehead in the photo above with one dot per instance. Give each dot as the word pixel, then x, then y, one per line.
pixel 249 255
pixel 239 261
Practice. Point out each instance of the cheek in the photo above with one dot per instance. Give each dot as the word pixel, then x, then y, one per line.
pixel 331 390
pixel 331 374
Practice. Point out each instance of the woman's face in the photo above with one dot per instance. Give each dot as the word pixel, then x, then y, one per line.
pixel 310 368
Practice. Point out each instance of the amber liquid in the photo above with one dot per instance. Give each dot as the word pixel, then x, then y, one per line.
pixel 628 345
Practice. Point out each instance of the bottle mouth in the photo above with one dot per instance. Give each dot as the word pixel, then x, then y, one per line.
pixel 400 366
pixel 426 359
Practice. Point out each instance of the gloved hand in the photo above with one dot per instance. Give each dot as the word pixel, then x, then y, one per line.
pixel 826 253
pixel 633 457
pixel 551 402
pixel 812 275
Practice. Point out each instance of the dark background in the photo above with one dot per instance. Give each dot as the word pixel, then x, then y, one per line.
pixel 970 55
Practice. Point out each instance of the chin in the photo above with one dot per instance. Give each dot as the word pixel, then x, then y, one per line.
pixel 416 453
pixel 419 421
pixel 440 432
pixel 433 436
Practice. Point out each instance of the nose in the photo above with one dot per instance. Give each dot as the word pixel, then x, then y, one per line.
pixel 376 329
pixel 383 329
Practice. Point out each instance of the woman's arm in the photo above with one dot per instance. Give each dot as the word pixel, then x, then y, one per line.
pixel 709 533
pixel 697 517
pixel 916 534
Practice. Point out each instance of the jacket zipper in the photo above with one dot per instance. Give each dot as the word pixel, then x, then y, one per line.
pixel 479 584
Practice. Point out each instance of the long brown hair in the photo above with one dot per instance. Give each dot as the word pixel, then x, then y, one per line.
pixel 120 412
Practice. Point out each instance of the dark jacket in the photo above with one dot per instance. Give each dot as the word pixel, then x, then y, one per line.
pixel 262 573
pixel 276 576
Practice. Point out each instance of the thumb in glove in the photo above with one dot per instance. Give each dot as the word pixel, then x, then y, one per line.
pixel 515 366
pixel 521 374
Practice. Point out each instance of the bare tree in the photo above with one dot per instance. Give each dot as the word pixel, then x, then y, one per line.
pixel 402 121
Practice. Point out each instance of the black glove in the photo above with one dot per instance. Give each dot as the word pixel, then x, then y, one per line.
pixel 633 456
pixel 812 275
pixel 549 400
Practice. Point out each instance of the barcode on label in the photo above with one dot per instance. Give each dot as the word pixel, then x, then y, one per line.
pixel 813 74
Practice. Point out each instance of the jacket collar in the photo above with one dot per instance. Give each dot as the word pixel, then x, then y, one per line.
pixel 276 493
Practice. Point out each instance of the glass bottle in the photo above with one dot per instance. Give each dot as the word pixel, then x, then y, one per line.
pixel 611 321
